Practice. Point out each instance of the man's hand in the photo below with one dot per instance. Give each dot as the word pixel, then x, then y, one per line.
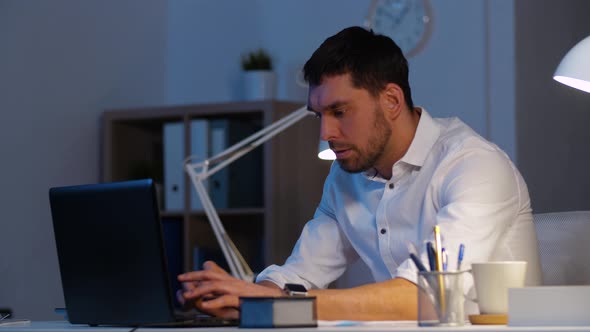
pixel 214 291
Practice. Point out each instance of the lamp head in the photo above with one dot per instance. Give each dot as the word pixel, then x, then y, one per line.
pixel 574 68
pixel 324 151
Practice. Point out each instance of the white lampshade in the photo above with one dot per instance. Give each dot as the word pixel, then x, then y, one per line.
pixel 574 69
pixel 324 151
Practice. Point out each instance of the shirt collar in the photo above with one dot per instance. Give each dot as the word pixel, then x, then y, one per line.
pixel 372 174
pixel 426 135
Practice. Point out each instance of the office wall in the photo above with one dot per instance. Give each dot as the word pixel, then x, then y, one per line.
pixel 462 65
pixel 207 38
pixel 204 43
pixel 552 119
pixel 62 63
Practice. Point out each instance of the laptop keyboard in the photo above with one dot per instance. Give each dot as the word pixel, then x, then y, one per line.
pixel 199 319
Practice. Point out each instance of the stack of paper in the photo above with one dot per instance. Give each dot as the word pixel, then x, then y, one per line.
pixel 549 306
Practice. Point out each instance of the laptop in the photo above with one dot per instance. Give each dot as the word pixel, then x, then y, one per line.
pixel 112 257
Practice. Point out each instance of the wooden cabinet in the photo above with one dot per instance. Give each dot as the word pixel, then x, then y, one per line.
pixel 290 180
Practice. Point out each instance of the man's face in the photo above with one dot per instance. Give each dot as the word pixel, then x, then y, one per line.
pixel 352 122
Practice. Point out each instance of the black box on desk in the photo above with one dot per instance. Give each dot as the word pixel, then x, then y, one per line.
pixel 287 311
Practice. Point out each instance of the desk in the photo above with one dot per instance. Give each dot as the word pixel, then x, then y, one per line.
pixel 60 326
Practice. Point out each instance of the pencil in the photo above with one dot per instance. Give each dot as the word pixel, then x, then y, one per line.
pixel 438 248
pixel 439 268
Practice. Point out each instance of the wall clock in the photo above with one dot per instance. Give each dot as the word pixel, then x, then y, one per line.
pixel 407 22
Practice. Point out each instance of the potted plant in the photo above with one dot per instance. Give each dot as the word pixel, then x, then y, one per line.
pixel 257 60
pixel 259 78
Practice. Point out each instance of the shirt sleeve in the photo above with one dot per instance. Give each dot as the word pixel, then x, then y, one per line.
pixel 321 254
pixel 477 193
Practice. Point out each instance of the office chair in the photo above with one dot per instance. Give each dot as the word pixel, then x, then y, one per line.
pixel 564 247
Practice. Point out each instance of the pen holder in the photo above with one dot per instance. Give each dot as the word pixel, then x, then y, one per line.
pixel 441 298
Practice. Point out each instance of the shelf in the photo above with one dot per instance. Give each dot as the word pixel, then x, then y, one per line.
pixel 166 214
pixel 232 212
pixel 287 175
pixel 220 212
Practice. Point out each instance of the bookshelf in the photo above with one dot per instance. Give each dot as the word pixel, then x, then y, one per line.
pixel 285 172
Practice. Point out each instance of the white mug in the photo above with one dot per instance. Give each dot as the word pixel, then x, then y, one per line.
pixel 492 280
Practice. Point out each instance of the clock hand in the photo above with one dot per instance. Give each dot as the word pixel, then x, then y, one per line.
pixel 396 12
pixel 381 12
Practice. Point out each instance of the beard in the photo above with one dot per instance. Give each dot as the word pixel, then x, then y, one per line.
pixel 367 156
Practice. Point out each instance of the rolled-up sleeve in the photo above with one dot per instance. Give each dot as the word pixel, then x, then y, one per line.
pixel 321 254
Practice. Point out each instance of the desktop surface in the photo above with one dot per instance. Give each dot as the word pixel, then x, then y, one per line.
pixel 63 326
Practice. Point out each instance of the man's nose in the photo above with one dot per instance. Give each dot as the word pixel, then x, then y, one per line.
pixel 328 129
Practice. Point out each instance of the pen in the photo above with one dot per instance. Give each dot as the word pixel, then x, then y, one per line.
pixel 418 263
pixel 412 248
pixel 460 257
pixel 445 259
pixel 423 272
pixel 431 256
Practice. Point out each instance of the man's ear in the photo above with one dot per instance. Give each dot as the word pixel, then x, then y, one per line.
pixel 392 100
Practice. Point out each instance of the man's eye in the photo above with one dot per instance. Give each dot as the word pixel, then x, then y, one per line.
pixel 339 113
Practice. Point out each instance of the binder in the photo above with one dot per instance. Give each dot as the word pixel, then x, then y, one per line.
pixel 236 186
pixel 173 136
pixel 246 173
pixel 199 148
pixel 174 155
pixel 219 182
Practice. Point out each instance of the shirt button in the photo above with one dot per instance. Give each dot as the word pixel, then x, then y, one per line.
pixel 391 186
pixel 383 231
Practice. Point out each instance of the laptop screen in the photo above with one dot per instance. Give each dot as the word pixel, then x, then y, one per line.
pixel 111 254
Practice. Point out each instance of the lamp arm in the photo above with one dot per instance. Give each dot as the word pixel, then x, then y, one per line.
pixel 199 172
pixel 238 266
pixel 248 144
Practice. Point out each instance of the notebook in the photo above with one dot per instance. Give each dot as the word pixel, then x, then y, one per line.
pixel 111 256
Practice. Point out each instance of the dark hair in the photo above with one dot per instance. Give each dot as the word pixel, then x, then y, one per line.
pixel 372 60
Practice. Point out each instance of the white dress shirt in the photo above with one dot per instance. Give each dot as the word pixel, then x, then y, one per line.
pixel 451 177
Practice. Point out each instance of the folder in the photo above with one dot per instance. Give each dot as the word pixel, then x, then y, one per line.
pixel 219 182
pixel 173 137
pixel 174 155
pixel 199 138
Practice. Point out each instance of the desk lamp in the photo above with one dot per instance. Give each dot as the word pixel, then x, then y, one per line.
pixel 324 151
pixel 574 69
pixel 202 170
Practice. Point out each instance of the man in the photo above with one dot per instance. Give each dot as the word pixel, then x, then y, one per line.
pixel 399 172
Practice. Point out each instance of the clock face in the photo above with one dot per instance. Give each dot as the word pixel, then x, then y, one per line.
pixel 407 22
